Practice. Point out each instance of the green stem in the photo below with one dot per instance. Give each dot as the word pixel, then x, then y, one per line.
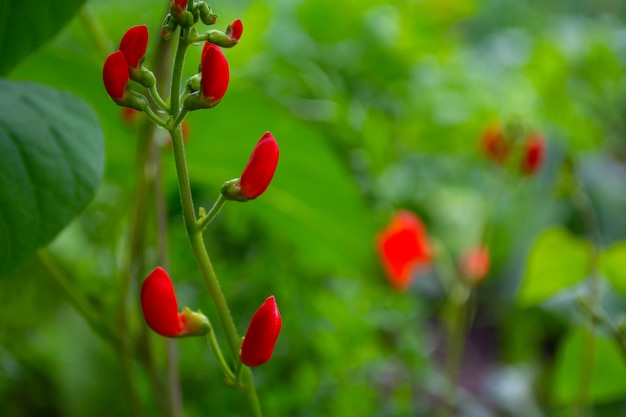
pixel 195 235
pixel 600 318
pixel 586 210
pixel 154 93
pixel 457 325
pixel 180 117
pixel 230 375
pixel 152 116
pixel 206 219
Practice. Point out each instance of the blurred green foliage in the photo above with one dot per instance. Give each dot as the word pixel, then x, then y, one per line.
pixel 376 106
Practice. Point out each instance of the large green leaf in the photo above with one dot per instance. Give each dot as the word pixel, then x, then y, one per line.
pixel 557 261
pixel 608 378
pixel 51 159
pixel 612 263
pixel 27 24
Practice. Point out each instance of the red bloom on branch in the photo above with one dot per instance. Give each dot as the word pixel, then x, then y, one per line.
pixel 115 75
pixel 474 264
pixel 179 5
pixel 215 74
pixel 258 344
pixel 403 247
pixel 534 153
pixel 134 44
pixel 234 30
pixel 260 169
pixel 160 308
pixel 494 144
pixel 159 304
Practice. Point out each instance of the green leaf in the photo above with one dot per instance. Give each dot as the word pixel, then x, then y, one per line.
pixel 557 261
pixel 612 263
pixel 608 378
pixel 51 159
pixel 27 24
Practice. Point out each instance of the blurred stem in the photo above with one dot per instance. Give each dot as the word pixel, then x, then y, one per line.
pixel 135 265
pixel 617 332
pixel 168 391
pixel 456 320
pixel 92 25
pixel 456 326
pixel 584 206
pixel 79 304
pixel 448 274
pixel 195 234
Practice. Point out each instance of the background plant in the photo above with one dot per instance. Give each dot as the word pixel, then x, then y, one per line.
pixel 378 107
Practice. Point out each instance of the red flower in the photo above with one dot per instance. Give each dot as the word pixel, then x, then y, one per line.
pixel 159 304
pixel 494 144
pixel 215 74
pixel 474 264
pixel 179 5
pixel 234 30
pixel 115 75
pixel 403 246
pixel 134 44
pixel 534 153
pixel 259 170
pixel 264 328
pixel 160 308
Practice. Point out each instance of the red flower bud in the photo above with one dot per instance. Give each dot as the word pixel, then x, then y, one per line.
pixel 258 344
pixel 134 44
pixel 234 30
pixel 215 74
pixel 259 170
pixel 179 5
pixel 160 308
pixel 402 247
pixel 115 75
pixel 534 153
pixel 474 264
pixel 494 144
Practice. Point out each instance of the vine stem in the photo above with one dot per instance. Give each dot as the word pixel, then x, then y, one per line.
pixel 206 218
pixel 218 355
pixel 195 234
pixel 78 302
pixel 586 210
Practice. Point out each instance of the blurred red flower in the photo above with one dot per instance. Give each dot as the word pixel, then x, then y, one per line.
pixel 403 247
pixel 494 144
pixel 474 264
pixel 534 153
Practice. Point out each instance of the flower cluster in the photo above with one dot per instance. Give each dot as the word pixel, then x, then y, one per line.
pixel 126 64
pixel 499 147
pixel 204 90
